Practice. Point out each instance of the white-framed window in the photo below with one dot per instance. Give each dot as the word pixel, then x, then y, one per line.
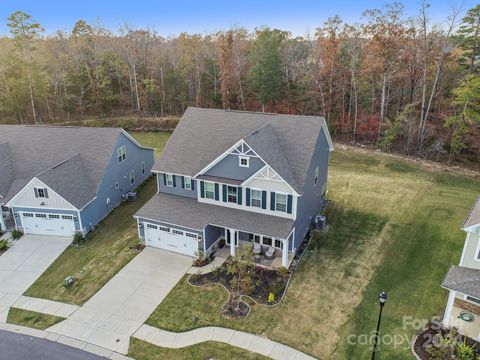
pixel 278 244
pixel 267 241
pixel 121 154
pixel 472 299
pixel 53 216
pixel 187 182
pixel 317 171
pixel 281 202
pixel 169 179
pixel 232 194
pixel 132 177
pixel 27 214
pixel 151 226
pixel 40 192
pixel 193 236
pixel 117 185
pixel 42 216
pixel 142 167
pixel 256 198
pixel 67 217
pixel 177 232
pixel 243 161
pixel 209 190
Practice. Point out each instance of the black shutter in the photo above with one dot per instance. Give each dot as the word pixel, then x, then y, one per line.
pixel 224 191
pixel 45 192
pixel 192 184
pixel 289 204
pixel 174 180
pixel 164 179
pixel 202 189
pixel 247 194
pixel 272 201
pixel 239 195
pixel 217 190
pixel 36 192
pixel 264 199
pixel 183 182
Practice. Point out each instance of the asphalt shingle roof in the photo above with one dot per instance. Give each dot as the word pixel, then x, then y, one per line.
pixel 203 135
pixel 187 212
pixel 473 217
pixel 464 280
pixel 70 160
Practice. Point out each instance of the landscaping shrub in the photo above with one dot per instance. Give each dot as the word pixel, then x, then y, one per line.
pixel 17 234
pixel 3 245
pixel 78 239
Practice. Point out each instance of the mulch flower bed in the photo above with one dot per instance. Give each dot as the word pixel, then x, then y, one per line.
pixel 258 283
pixel 432 337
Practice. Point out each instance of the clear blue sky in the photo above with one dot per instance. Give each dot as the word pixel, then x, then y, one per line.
pixel 170 17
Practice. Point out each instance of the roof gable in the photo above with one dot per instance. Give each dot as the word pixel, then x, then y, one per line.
pixel 473 217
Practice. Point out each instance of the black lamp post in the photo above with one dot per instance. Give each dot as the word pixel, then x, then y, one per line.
pixel 382 298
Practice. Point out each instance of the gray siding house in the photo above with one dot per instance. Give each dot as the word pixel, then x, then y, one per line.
pixel 238 176
pixel 63 180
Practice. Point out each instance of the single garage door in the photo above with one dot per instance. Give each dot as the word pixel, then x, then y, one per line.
pixel 171 239
pixel 47 224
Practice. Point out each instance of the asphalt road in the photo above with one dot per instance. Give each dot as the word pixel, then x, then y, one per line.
pixel 15 346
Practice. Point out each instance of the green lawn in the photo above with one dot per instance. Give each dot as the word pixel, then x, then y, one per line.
pixel 393 226
pixel 141 350
pixel 32 319
pixel 155 140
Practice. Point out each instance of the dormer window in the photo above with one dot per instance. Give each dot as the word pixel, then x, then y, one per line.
pixel 244 161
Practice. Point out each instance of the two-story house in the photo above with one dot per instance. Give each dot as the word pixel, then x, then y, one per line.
pixel 63 180
pixel 463 282
pixel 238 176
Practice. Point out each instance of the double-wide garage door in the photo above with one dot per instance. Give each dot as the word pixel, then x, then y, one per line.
pixel 171 239
pixel 47 224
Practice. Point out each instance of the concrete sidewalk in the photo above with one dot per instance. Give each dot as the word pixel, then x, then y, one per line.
pixel 246 341
pixel 45 306
pixel 115 312
pixel 23 263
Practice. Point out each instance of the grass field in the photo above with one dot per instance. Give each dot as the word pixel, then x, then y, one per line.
pixel 155 140
pixel 32 319
pixel 141 350
pixel 393 226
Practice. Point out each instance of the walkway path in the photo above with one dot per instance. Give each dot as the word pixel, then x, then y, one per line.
pixel 45 306
pixel 118 309
pixel 239 339
pixel 23 263
pixel 217 262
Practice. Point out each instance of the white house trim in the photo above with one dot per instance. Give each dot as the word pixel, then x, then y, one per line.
pixel 11 203
pixel 448 309
pixel 260 176
pixel 170 224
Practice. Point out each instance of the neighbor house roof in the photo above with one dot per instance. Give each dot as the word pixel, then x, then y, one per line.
pixel 190 213
pixel 285 142
pixel 70 160
pixel 464 280
pixel 473 217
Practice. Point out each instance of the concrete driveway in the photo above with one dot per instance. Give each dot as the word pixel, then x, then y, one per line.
pixel 23 263
pixel 114 313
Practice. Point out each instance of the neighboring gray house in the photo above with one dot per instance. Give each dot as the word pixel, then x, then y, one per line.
pixel 463 282
pixel 62 180
pixel 239 176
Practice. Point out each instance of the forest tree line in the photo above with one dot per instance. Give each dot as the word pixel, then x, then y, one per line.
pixel 402 84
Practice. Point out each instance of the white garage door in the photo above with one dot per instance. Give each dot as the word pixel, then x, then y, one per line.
pixel 171 239
pixel 47 224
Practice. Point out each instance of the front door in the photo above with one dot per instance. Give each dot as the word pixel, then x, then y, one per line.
pixel 229 240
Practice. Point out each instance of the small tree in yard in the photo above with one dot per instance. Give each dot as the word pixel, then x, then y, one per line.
pixel 242 278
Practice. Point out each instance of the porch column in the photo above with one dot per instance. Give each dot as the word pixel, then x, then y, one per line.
pixel 285 253
pixel 232 242
pixel 2 221
pixel 448 309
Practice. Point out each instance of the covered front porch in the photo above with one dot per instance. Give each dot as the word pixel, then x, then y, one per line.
pixel 269 251
pixel 6 219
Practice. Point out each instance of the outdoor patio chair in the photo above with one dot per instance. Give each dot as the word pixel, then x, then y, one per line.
pixel 257 249
pixel 270 253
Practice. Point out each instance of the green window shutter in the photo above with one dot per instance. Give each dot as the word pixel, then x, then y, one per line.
pixel 192 184
pixel 202 189
pixel 264 199
pixel 183 182
pixel 174 181
pixel 272 201
pixel 289 204
pixel 224 191
pixel 216 191
pixel 239 195
pixel 164 179
pixel 247 194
